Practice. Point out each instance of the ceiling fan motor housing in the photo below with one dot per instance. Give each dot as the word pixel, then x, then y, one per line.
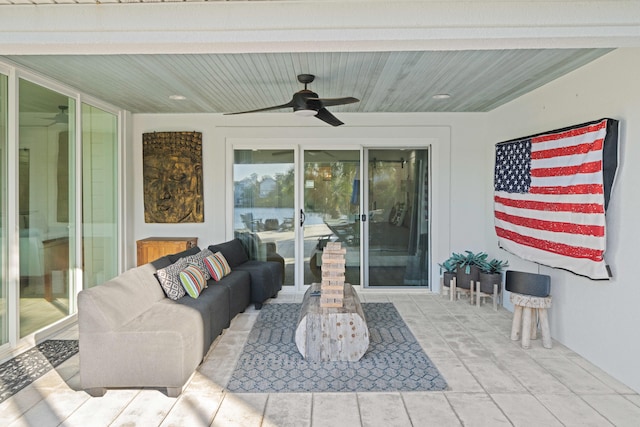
pixel 301 101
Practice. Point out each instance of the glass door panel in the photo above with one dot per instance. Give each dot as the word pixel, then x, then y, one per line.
pixel 4 306
pixel 46 205
pixel 99 195
pixel 331 209
pixel 264 196
pixel 398 218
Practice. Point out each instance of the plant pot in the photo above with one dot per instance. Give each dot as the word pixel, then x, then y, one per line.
pixel 463 279
pixel 487 280
pixel 447 277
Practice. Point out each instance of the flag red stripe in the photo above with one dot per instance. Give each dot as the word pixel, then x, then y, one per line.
pixel 570 133
pixel 555 226
pixel 557 248
pixel 547 206
pixel 590 167
pixel 568 151
pixel 571 189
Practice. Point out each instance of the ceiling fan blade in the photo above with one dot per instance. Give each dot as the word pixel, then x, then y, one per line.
pixel 327 117
pixel 328 102
pixel 275 107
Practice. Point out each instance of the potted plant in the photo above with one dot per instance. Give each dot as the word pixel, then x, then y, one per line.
pixel 468 268
pixel 491 274
pixel 448 270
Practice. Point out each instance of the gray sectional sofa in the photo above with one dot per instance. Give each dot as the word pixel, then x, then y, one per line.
pixel 132 335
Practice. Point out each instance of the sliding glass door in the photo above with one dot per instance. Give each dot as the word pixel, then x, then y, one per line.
pixel 263 206
pixel 99 195
pixel 47 200
pixel 4 286
pixel 331 210
pixel 389 206
pixel 398 217
pixel 59 221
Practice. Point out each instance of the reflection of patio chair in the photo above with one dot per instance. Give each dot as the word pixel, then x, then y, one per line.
pixel 287 224
pixel 271 224
pixel 252 223
pixel 257 250
pixel 346 232
pixel 315 260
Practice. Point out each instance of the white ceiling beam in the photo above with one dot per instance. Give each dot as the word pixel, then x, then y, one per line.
pixel 316 26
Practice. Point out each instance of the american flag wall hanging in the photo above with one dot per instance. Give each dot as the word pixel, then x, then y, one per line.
pixel 551 194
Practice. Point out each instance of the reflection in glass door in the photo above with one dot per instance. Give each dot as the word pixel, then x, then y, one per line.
pixel 264 197
pixel 46 205
pixel 398 218
pixel 331 209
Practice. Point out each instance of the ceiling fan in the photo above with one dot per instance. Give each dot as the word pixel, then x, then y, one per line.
pixel 307 103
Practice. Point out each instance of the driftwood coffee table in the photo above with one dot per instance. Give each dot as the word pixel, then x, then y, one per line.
pixel 332 333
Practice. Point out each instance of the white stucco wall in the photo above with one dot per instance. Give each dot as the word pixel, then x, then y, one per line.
pixel 598 320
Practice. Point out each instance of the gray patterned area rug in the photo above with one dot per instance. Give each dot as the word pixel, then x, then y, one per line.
pixel 270 361
pixel 22 370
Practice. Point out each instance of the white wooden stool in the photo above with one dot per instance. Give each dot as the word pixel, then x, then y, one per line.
pixel 523 319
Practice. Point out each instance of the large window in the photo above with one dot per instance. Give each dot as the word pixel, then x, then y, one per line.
pixel 99 195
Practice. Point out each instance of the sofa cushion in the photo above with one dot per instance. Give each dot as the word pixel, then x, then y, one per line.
pixel 191 251
pixel 217 266
pixel 193 280
pixel 213 307
pixel 233 251
pixel 170 281
pixel 239 285
pixel 198 261
pixel 150 350
pixel 161 262
pixel 266 279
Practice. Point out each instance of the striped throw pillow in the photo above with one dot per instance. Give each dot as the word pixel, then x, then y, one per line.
pixel 217 265
pixel 198 261
pixel 193 281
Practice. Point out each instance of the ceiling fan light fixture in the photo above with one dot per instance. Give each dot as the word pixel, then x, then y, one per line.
pixel 305 113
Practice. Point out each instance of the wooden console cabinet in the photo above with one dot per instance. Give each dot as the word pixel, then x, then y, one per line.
pixel 152 248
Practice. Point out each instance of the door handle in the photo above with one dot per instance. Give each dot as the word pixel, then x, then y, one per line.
pixel 302 217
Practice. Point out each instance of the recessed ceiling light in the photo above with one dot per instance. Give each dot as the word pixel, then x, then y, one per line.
pixel 441 96
pixel 177 97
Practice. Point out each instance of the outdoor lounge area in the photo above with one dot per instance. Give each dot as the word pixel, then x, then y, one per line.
pixel 413 133
pixel 491 381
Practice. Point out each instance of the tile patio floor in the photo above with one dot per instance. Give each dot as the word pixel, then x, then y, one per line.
pixel 492 381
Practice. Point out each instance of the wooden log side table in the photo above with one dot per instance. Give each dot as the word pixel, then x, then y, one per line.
pixel 332 333
pixel 528 309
